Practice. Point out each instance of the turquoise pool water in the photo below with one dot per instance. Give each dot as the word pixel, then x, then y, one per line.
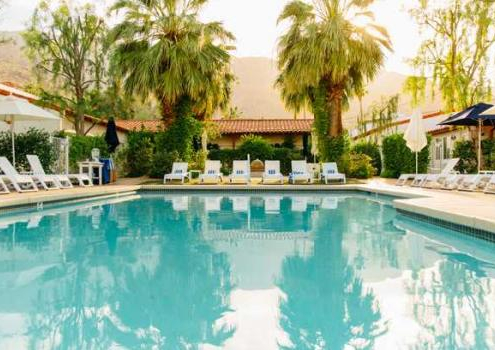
pixel 242 271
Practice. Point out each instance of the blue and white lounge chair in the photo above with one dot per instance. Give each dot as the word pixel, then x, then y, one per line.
pixel 240 172
pixel 299 172
pixel 272 172
pixel 212 172
pixel 331 172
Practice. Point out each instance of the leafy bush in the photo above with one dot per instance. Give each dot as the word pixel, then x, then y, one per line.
pixel 256 146
pixel 33 141
pixel 161 163
pixel 399 159
pixel 465 150
pixel 285 156
pixel 335 148
pixel 226 157
pixel 179 137
pixel 488 148
pixel 139 153
pixel 372 150
pixel 80 148
pixel 360 166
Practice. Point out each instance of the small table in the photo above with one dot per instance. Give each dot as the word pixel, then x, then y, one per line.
pixel 191 172
pixel 87 167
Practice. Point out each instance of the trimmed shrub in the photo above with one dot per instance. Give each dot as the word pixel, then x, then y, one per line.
pixel 161 163
pixel 179 137
pixel 256 146
pixel 398 158
pixel 285 156
pixel 139 153
pixel 225 156
pixel 360 166
pixel 488 148
pixel 468 159
pixel 33 141
pixel 372 150
pixel 335 148
pixel 80 149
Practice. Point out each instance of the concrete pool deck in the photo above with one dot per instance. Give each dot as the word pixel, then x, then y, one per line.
pixel 474 210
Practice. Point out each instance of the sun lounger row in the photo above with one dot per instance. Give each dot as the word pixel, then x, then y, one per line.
pixel 37 178
pixel 241 172
pixel 448 179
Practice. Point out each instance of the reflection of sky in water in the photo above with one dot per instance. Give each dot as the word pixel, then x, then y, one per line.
pixel 267 271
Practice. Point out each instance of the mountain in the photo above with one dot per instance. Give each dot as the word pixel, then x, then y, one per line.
pixel 255 96
pixel 254 93
pixel 14 65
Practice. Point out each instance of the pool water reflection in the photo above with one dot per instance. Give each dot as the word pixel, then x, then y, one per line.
pixel 260 271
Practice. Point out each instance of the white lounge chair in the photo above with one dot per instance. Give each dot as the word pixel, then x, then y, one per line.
pixel 490 186
pixel 39 175
pixel 435 180
pixel 21 183
pixel 404 178
pixel 453 181
pixel 240 171
pixel 299 172
pixel 212 171
pixel 3 187
pixel 476 182
pixel 272 172
pixel 331 172
pixel 272 204
pixel 64 180
pixel 179 172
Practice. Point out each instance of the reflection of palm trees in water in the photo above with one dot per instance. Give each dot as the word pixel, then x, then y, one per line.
pixel 451 303
pixel 325 305
pixel 168 293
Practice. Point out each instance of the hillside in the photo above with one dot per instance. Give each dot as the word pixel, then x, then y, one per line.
pixel 254 93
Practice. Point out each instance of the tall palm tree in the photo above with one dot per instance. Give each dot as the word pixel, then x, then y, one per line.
pixel 326 51
pixel 163 49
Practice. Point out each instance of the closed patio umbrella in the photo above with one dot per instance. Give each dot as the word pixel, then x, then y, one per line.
pixel 476 115
pixel 415 135
pixel 14 109
pixel 111 136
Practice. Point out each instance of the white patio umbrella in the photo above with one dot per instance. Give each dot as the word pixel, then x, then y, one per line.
pixel 415 135
pixel 14 109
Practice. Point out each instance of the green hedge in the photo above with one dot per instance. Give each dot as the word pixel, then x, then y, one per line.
pixel 398 158
pixel 33 141
pixel 360 166
pixel 488 148
pixel 80 148
pixel 372 150
pixel 466 151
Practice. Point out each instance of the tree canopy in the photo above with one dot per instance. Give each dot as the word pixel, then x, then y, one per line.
pixel 328 50
pixel 67 44
pixel 163 49
pixel 455 53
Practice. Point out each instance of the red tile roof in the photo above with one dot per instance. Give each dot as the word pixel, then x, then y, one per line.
pixel 136 125
pixel 235 126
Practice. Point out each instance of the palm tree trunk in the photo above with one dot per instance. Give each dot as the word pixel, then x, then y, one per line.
pixel 168 111
pixel 335 95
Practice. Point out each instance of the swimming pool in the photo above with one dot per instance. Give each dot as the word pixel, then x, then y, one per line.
pixel 241 271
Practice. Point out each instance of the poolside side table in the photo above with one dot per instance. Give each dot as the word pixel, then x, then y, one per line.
pixel 88 168
pixel 191 172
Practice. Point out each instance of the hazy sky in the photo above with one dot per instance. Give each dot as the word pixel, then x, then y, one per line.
pixel 254 24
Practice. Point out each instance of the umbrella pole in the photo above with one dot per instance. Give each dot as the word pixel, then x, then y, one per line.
pixel 416 163
pixel 13 140
pixel 479 144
